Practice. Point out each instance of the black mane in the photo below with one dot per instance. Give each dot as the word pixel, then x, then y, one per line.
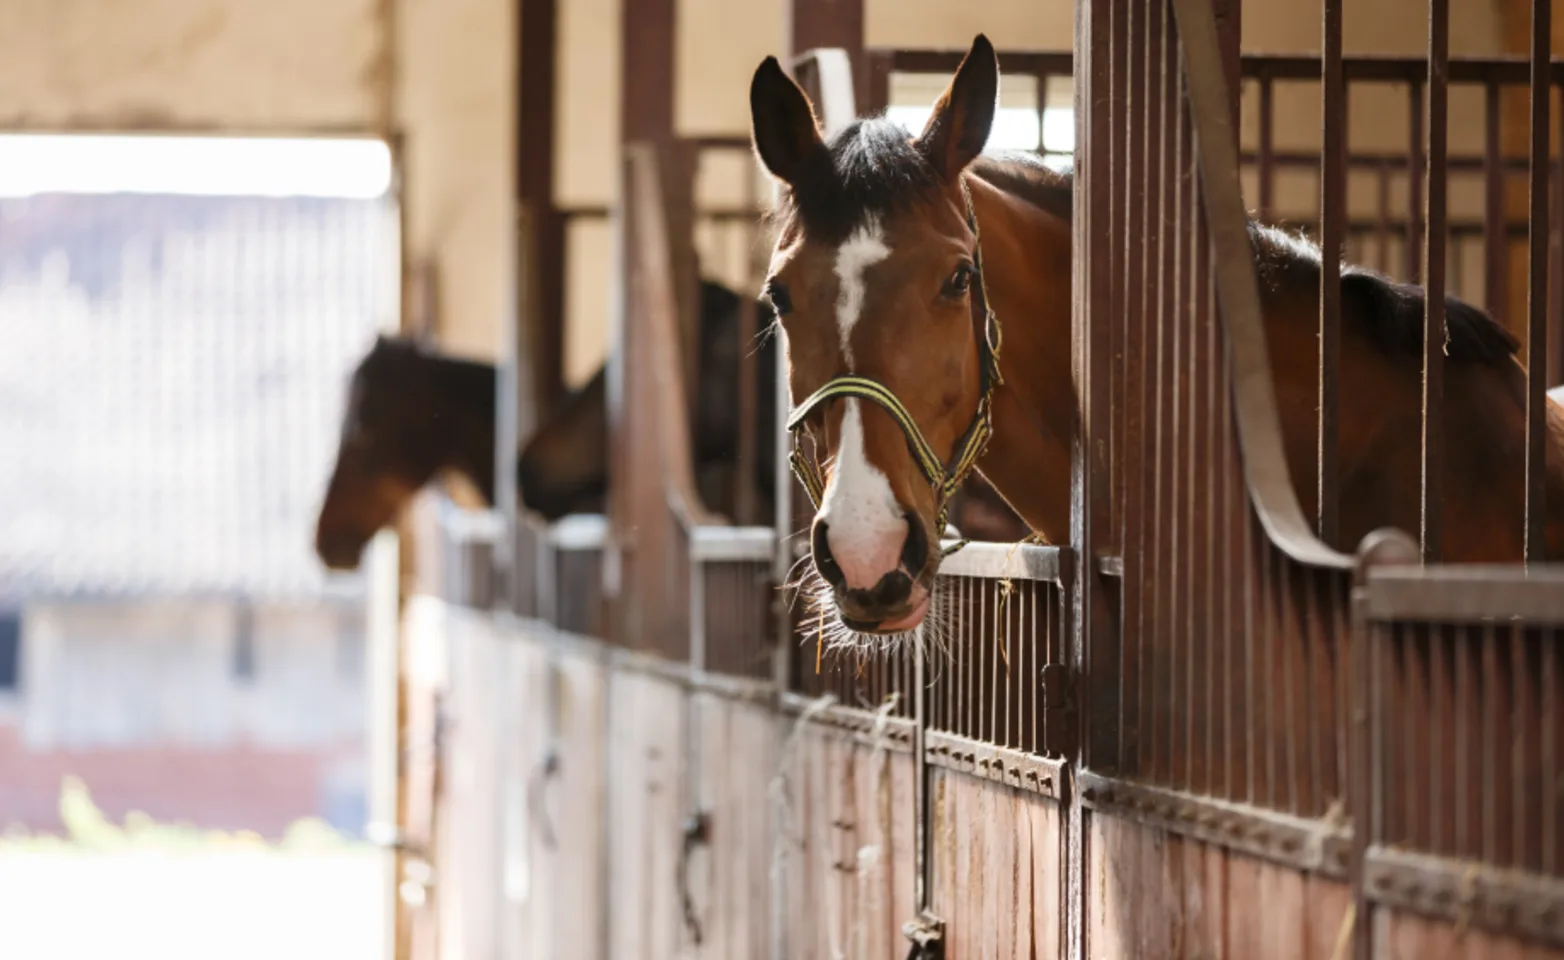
pixel 868 169
pixel 871 168
pixel 1392 311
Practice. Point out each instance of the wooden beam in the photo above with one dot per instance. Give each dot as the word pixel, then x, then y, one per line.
pixel 648 74
pixel 646 57
pixel 814 24
pixel 541 275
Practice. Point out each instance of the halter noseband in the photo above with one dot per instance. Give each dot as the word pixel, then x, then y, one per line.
pixel 945 480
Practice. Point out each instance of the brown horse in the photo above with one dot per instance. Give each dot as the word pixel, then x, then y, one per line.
pixel 412 413
pixel 883 305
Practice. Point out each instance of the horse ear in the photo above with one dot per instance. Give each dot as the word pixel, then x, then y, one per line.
pixel 782 122
pixel 959 126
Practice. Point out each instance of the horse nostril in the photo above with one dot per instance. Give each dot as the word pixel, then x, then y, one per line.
pixel 824 562
pixel 915 551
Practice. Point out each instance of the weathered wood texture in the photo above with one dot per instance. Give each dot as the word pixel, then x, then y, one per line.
pixel 1152 894
pixel 471 824
pixel 647 805
pixel 730 875
pixel 578 804
pixel 998 865
pixel 1408 936
pixel 844 828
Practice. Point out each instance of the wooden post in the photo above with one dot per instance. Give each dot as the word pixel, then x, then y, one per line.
pixel 814 24
pixel 540 225
pixel 648 48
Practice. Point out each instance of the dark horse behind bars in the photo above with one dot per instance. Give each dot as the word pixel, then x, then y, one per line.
pixel 411 414
pixel 888 307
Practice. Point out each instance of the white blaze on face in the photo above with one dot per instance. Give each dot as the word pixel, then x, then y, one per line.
pixel 866 528
pixel 865 248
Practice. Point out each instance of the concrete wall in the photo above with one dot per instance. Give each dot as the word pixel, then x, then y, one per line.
pixel 279 66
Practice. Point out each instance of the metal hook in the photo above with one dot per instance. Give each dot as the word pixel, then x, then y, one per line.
pixel 696 831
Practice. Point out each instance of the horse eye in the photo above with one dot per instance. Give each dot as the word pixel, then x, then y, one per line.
pixel 959 283
pixel 776 295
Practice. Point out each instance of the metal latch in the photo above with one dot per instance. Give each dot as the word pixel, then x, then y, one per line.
pixel 928 938
pixel 1058 732
pixel 697 831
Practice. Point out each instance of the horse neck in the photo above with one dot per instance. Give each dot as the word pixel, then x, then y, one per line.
pixel 464 429
pixel 1026 276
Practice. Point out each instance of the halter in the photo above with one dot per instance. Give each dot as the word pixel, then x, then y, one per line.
pixel 945 480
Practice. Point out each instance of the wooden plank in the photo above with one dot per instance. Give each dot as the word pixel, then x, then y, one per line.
pixel 1111 864
pixel 874 838
pixel 1409 936
pixel 903 844
pixel 1326 917
pixel 1245 909
pixel 1047 875
pixel 711 868
pixel 1023 922
pixel 1002 818
pixel 1281 901
pixel 667 805
pixel 625 836
pixel 582 808
pixel 1162 904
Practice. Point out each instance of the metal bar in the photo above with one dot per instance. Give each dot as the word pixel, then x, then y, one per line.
pixel 1309 845
pixel 1506 902
pixel 1463 163
pixel 1414 158
pixel 1006 561
pixel 1495 243
pixel 1537 289
pixel 1383 226
pixel 1468 594
pixel 1266 157
pixel 1333 213
pixel 1132 535
pixel 1431 493
pixel 1556 290
pixel 1509 70
pixel 1259 424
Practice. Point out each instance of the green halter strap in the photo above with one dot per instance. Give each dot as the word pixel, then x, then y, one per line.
pixel 945 480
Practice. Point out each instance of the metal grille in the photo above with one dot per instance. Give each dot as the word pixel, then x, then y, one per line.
pixel 990 679
pixel 738 617
pixel 1468 715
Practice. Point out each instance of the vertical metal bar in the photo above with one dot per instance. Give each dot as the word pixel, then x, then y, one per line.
pixel 1525 801
pixel 1556 290
pixel 1333 216
pixel 1155 717
pixel 1496 742
pixel 1266 167
pixel 1551 725
pixel 1496 237
pixel 1415 158
pixel 1089 622
pixel 1431 491
pixel 1382 227
pixel 1131 386
pixel 1537 286
pixel 1368 702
